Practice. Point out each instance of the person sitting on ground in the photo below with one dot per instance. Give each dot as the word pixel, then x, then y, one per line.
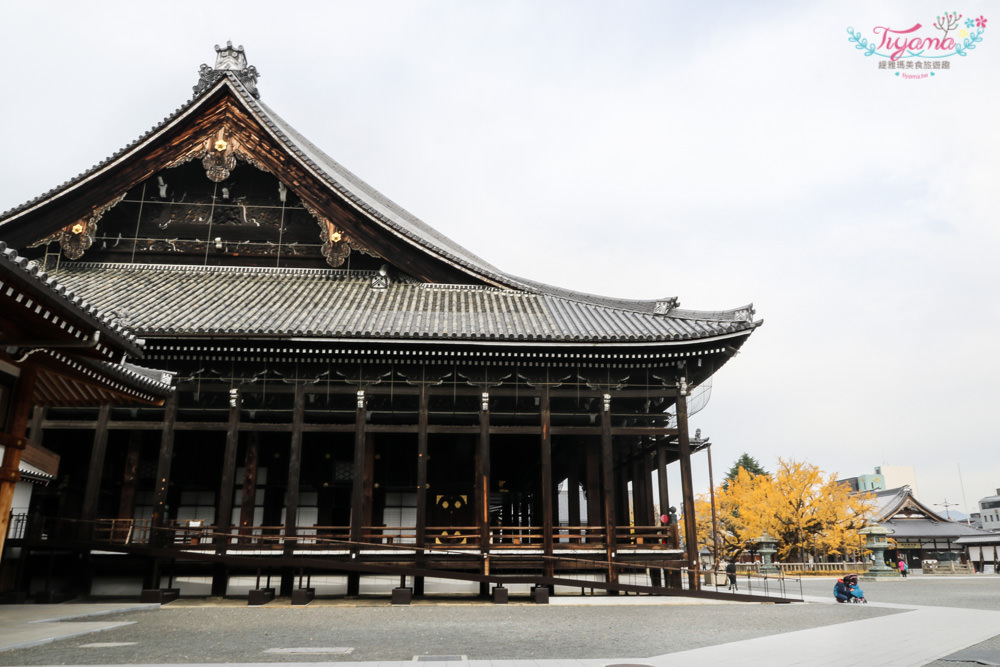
pixel 843 589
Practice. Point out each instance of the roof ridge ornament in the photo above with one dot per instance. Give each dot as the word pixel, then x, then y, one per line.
pixel 228 58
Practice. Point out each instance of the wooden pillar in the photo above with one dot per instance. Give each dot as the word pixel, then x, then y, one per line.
pixel 573 495
pixel 358 487
pixel 92 492
pixel 670 531
pixel 357 484
pixel 483 488
pixel 661 476
pixel 249 494
pixel 593 449
pixel 130 477
pixel 547 523
pixel 687 488
pixel 224 506
pixel 292 490
pixel 715 518
pixel 622 495
pixel 37 417
pixel 421 538
pixel 227 481
pixel 637 492
pixel 608 488
pixel 15 442
pixel 645 474
pixel 368 503
pixel 294 469
pixel 159 519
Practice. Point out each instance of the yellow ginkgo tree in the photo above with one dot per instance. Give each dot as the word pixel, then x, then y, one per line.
pixel 800 507
pixel 815 514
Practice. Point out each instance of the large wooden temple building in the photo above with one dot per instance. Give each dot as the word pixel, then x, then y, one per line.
pixel 355 396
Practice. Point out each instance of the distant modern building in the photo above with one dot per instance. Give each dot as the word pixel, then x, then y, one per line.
pixel 895 477
pixel 874 482
pixel 989 512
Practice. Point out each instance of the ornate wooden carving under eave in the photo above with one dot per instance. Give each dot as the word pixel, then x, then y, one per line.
pixel 219 157
pixel 75 239
pixel 218 153
pixel 553 377
pixel 416 376
pixel 365 375
pixel 669 376
pixel 484 377
pixel 609 381
pixel 337 244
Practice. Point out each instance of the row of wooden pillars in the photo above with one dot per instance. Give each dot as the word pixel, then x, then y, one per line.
pixel 599 473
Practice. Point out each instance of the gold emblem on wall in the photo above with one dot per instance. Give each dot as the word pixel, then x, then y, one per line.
pixel 451 504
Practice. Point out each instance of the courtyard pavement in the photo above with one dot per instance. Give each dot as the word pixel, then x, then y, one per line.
pixel 940 621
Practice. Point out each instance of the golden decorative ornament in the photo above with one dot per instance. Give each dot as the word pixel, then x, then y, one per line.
pixel 77 228
pixel 221 145
pixel 336 236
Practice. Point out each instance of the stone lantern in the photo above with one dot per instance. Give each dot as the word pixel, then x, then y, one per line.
pixel 875 539
pixel 766 548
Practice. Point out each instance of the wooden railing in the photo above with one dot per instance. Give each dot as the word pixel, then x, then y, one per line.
pixel 18 526
pixel 189 534
pixel 822 568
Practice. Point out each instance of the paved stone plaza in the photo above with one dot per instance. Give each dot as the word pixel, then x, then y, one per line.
pixel 913 622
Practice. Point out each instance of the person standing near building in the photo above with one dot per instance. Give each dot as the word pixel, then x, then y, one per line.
pixel 903 570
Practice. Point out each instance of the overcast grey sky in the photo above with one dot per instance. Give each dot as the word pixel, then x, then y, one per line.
pixel 721 152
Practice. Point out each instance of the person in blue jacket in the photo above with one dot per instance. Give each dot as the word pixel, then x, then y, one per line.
pixel 845 588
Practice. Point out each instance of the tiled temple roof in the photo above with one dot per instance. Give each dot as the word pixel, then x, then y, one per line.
pixel 180 300
pixel 117 339
pixel 521 309
pixel 43 297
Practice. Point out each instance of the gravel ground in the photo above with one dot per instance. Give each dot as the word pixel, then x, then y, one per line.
pixel 229 631
pixel 478 631
pixel 977 592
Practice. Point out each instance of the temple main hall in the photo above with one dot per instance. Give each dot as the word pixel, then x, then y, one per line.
pixel 359 403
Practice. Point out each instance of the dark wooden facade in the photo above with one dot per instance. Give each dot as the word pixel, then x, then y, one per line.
pixel 355 394
pixel 56 350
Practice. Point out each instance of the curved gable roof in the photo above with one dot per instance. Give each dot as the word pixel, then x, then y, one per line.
pixel 348 187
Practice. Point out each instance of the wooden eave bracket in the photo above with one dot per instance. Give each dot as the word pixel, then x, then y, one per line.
pixel 13 441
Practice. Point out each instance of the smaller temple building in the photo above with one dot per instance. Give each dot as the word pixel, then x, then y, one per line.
pixel 919 533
